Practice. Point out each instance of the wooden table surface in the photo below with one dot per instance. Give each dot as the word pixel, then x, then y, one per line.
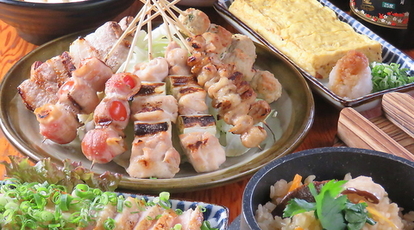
pixel 321 134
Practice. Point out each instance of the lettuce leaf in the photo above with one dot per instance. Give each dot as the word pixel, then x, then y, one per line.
pixel 69 174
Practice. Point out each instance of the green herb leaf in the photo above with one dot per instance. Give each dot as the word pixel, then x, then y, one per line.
pixel 334 211
pixel 329 206
pixel 388 76
pixel 296 206
pixel 357 215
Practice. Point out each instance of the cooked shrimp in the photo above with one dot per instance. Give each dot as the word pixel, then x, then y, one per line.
pixel 351 76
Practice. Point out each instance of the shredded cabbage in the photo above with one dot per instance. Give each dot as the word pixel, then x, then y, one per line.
pixel 140 49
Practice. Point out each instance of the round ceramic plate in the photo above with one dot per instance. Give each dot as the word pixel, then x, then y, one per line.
pixel 295 111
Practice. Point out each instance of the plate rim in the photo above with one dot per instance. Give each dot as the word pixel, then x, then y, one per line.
pixel 147 185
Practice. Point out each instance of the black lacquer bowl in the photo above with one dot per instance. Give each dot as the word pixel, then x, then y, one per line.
pixel 38 23
pixel 395 174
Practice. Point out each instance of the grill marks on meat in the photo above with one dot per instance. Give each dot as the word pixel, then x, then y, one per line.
pixel 45 80
pixel 152 152
pixel 197 132
pixel 223 65
pixel 66 85
pixel 111 116
pixel 58 121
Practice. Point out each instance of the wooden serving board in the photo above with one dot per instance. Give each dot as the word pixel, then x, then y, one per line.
pixel 390 131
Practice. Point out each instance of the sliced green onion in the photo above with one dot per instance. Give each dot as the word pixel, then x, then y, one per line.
pixel 109 224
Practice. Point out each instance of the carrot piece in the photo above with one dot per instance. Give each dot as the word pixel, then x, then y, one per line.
pixel 297 180
pixel 299 228
pixel 374 212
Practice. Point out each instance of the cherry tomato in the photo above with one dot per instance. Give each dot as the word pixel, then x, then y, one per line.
pixel 117 111
pixel 102 145
pixel 130 81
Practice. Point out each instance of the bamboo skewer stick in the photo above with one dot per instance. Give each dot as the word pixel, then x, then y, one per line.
pixel 149 29
pixel 132 26
pixel 399 109
pixel 169 20
pixel 357 131
pixel 128 30
pixel 175 19
pixel 134 40
pixel 171 5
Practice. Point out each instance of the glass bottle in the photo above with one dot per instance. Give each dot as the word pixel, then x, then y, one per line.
pixel 393 20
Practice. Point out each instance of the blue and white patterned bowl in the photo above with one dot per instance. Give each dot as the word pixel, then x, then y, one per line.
pixel 216 215
pixel 389 54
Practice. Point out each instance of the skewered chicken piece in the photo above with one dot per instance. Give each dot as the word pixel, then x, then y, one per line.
pixel 177 59
pixel 221 70
pixel 111 117
pixel 234 98
pixel 152 153
pixel 197 127
pixel 153 71
pixel 224 47
pixel 58 122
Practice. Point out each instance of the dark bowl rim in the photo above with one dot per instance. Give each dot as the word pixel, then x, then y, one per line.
pixel 63 5
pixel 253 181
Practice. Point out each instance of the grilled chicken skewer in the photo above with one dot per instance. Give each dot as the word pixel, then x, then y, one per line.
pixel 111 116
pixel 197 127
pixel 226 81
pixel 221 62
pixel 78 95
pixel 67 85
pixel 153 153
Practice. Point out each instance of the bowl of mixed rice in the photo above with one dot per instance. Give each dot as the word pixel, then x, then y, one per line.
pixel 333 188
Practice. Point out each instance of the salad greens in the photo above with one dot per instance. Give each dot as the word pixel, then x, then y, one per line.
pixel 140 50
pixel 334 211
pixel 387 76
pixel 48 196
pixel 69 174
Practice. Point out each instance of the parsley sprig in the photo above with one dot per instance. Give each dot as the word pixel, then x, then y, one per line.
pixel 334 211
